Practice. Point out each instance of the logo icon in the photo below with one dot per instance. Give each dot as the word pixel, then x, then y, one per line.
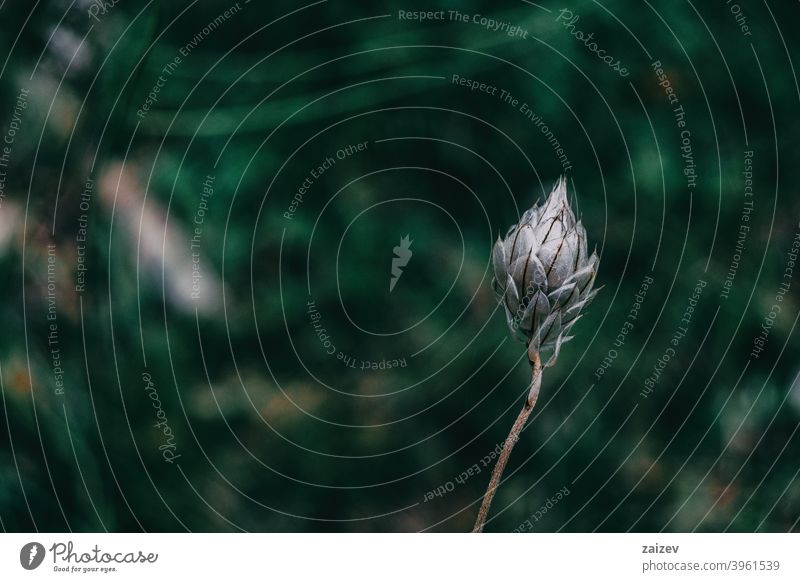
pixel 403 254
pixel 31 555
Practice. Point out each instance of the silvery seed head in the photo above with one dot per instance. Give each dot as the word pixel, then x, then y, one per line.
pixel 543 275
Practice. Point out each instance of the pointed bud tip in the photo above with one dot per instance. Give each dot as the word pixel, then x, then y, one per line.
pixel 559 192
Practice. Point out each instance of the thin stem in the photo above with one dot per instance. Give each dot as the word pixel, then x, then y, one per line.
pixel 511 440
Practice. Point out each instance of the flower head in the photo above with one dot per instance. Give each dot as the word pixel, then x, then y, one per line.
pixel 543 274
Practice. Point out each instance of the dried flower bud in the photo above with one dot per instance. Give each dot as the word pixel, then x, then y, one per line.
pixel 543 275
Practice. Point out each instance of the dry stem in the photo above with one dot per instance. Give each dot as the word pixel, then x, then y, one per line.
pixel 511 440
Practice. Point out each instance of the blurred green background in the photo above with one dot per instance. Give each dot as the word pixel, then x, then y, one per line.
pixel 184 386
